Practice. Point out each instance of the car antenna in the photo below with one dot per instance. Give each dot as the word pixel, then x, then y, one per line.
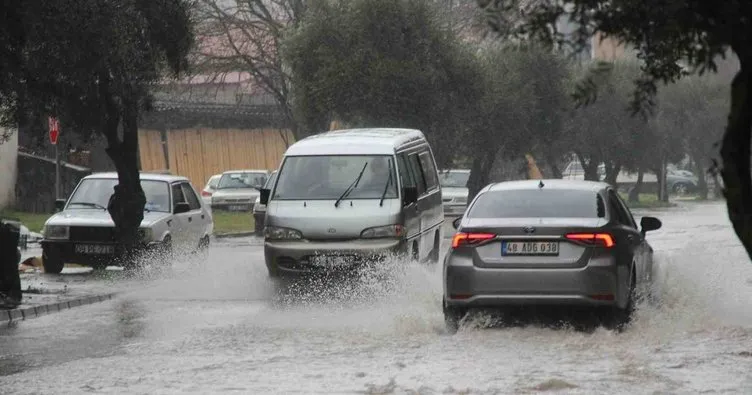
pixel 541 184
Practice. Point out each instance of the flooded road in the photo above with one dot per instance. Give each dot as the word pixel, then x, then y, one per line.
pixel 223 327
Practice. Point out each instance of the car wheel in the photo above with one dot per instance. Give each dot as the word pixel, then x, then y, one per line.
pixel 52 261
pixel 681 188
pixel 453 316
pixel 415 255
pixel 433 257
pixel 165 250
pixel 619 318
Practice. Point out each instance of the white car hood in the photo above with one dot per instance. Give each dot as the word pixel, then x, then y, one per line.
pixel 97 217
pixel 248 193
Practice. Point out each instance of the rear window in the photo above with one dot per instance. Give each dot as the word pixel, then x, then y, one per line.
pixel 538 203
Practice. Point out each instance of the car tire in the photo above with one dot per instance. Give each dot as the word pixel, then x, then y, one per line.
pixel 433 257
pixel 618 318
pixel 52 261
pixel 453 315
pixel 204 244
pixel 681 188
pixel 165 250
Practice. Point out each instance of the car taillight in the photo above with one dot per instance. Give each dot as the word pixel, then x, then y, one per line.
pixel 464 239
pixel 596 239
pixel 205 193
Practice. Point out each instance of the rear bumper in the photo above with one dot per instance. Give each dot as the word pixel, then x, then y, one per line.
pixel 597 284
pixel 295 256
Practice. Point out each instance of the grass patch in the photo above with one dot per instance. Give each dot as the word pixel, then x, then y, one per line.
pixel 232 222
pixel 645 201
pixel 33 221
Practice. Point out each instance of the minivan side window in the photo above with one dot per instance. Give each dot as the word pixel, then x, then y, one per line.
pixel 429 170
pixel 417 173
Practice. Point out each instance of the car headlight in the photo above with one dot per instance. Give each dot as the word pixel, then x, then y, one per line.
pixel 56 232
pixel 382 231
pixel 216 199
pixel 144 234
pixel 460 200
pixel 278 233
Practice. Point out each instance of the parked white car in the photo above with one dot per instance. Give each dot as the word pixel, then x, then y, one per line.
pixel 175 221
pixel 237 190
pixel 210 188
pixel 259 209
pixel 454 191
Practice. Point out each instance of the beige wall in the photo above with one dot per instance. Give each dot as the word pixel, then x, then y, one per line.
pixel 8 169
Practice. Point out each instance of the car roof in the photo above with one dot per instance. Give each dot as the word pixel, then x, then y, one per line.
pixel 144 175
pixel 363 141
pixel 594 186
pixel 247 171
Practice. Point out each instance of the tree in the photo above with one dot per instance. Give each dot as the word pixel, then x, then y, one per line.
pixel 246 36
pixel 671 38
pixel 92 64
pixel 693 108
pixel 388 63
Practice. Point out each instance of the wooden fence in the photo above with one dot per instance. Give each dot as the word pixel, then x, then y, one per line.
pixel 200 153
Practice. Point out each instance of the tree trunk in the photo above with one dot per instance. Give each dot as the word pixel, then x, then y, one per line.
pixel 552 164
pixel 612 173
pixel 126 206
pixel 702 180
pixel 735 155
pixel 479 172
pixel 634 194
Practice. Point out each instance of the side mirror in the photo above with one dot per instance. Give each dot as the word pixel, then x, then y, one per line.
pixel 649 224
pixel 182 207
pixel 456 222
pixel 409 195
pixel 59 204
pixel 264 195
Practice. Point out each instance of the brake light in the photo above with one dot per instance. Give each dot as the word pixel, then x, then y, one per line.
pixel 463 239
pixel 205 193
pixel 597 239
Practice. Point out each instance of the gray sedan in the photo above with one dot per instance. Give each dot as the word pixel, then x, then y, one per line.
pixel 548 242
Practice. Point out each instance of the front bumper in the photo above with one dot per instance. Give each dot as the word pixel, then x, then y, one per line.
pixel 297 256
pixel 102 253
pixel 596 284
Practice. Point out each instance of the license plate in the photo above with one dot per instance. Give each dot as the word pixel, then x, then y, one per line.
pixel 97 249
pixel 238 208
pixel 330 261
pixel 530 248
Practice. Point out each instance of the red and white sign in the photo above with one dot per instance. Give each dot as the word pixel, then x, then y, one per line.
pixel 54 126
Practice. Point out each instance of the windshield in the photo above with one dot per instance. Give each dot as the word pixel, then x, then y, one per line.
pixel 534 203
pixel 327 177
pixel 454 179
pixel 94 193
pixel 242 180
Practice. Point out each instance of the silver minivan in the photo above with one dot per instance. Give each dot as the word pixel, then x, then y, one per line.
pixel 348 197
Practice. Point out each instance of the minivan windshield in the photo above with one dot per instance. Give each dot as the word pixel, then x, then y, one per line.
pixel 242 180
pixel 454 179
pixel 536 203
pixel 94 193
pixel 327 177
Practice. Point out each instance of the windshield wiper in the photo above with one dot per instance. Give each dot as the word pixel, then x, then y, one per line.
pixel 388 181
pixel 352 186
pixel 95 205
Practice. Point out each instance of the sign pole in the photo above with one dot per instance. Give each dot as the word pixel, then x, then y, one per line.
pixel 54 127
pixel 57 172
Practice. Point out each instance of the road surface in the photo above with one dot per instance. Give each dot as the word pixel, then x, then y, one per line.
pixel 222 326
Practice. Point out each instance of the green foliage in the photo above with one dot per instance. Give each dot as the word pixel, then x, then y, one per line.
pixel 664 33
pixel 385 63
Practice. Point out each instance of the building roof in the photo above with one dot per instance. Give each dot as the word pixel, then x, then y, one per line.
pixel 365 141
pixel 143 176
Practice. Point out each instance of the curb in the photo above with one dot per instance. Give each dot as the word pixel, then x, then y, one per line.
pixel 231 235
pixel 30 312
